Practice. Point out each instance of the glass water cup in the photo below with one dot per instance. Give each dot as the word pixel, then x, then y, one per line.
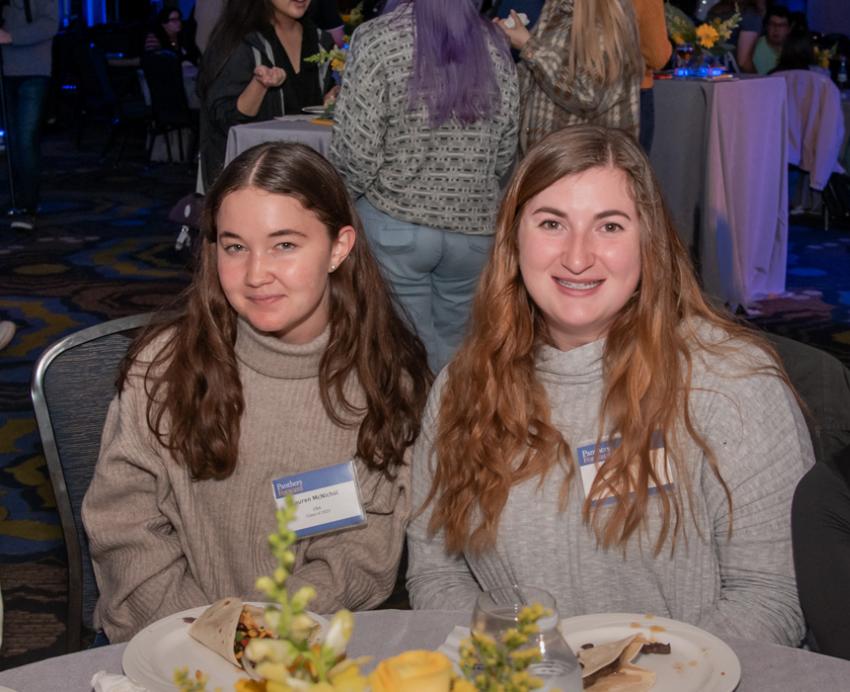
pixel 498 609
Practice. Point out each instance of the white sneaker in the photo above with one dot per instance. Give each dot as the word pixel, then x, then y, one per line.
pixel 7 333
pixel 23 222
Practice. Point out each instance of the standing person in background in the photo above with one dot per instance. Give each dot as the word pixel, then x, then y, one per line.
pixel 255 70
pixel 580 64
pixel 26 37
pixel 426 125
pixel 655 48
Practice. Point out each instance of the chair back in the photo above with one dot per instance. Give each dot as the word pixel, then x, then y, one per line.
pixel 92 76
pixel 164 77
pixel 823 383
pixel 73 385
pixel 815 124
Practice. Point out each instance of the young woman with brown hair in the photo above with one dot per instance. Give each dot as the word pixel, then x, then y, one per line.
pixel 286 356
pixel 603 432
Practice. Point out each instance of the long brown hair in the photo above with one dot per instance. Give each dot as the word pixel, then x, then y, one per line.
pixel 604 41
pixel 494 428
pixel 195 397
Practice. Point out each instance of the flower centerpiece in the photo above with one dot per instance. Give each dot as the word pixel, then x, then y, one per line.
pixel 295 661
pixel 335 58
pixel 701 43
pixel 823 56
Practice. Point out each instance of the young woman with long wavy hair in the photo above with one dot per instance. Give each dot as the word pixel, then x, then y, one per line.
pixel 285 356
pixel 580 63
pixel 603 432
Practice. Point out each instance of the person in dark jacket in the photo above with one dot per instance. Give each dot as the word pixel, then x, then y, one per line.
pixel 254 69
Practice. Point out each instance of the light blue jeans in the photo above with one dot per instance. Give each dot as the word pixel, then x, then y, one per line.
pixel 433 274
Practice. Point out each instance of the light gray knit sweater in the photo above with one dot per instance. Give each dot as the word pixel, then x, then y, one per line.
pixel 445 177
pixel 161 542
pixel 743 587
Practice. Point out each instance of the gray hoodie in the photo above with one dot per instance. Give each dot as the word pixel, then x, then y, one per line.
pixel 29 54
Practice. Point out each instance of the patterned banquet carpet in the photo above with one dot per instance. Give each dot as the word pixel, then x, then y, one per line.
pixel 104 249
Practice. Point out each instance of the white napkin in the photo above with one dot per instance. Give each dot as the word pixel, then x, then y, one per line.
pixel 108 682
pixel 510 23
pixel 451 647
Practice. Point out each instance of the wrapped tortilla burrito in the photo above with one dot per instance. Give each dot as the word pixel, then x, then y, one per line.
pixel 227 626
pixel 608 667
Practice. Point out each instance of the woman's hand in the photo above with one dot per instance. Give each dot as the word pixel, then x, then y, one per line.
pixel 330 97
pixel 269 77
pixel 517 34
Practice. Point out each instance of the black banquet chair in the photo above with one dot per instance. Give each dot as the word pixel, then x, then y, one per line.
pixel 170 110
pixel 73 384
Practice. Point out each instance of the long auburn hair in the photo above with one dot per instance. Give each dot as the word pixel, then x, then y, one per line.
pixel 495 426
pixel 604 41
pixel 195 399
pixel 453 71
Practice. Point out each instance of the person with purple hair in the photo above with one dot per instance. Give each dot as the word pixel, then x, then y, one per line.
pixel 425 127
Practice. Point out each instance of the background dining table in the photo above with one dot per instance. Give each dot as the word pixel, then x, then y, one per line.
pixel 306 129
pixel 385 633
pixel 720 154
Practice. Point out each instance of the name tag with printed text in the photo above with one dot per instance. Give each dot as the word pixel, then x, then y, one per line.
pixel 590 459
pixel 326 499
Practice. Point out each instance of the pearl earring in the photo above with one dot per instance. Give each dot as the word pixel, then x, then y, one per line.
pixel 333 267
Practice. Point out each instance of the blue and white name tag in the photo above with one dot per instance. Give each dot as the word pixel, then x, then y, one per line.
pixel 326 499
pixel 589 463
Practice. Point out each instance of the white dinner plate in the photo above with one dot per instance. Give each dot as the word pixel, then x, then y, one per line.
pixel 152 656
pixel 697 662
pixel 314 110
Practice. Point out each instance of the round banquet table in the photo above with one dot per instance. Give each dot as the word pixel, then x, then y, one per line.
pixel 384 633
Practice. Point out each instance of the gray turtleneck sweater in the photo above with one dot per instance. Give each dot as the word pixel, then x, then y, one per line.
pixel 741 586
pixel 161 542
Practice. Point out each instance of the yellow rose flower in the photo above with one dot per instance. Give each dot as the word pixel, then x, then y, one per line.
pixel 346 676
pixel 245 685
pixel 461 685
pixel 707 35
pixel 413 671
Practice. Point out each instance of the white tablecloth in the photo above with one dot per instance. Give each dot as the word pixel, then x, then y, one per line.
pixel 289 128
pixel 384 633
pixel 720 156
